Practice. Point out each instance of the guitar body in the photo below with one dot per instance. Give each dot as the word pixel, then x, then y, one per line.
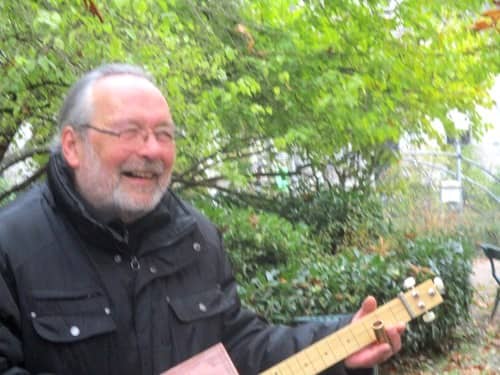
pixel 213 361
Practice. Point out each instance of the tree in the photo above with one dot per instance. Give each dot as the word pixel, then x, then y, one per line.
pixel 247 79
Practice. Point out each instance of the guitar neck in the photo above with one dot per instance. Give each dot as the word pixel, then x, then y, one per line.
pixel 350 339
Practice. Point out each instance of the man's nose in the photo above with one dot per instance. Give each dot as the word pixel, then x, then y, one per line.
pixel 150 147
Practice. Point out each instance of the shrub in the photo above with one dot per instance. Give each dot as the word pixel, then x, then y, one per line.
pixel 330 285
pixel 338 218
pixel 283 271
pixel 258 240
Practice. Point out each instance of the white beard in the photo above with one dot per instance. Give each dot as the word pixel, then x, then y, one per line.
pixel 103 190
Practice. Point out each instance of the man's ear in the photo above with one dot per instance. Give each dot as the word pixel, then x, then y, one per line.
pixel 71 146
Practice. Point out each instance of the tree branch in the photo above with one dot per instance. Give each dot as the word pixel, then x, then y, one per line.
pixel 24 184
pixel 21 156
pixel 200 163
pixel 189 184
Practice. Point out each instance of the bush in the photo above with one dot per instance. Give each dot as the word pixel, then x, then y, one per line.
pixel 284 272
pixel 330 285
pixel 258 240
pixel 338 218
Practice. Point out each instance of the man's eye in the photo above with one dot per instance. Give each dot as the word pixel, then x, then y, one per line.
pixel 129 133
pixel 163 135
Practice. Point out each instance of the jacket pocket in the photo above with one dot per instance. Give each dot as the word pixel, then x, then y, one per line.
pixel 70 316
pixel 202 305
pixel 72 332
pixel 196 322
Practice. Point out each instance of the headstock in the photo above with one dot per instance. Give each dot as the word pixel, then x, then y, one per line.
pixel 420 299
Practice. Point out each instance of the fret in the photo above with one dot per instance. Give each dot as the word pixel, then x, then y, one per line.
pixel 294 366
pixel 337 346
pixel 367 325
pixel 385 314
pixel 392 313
pixel 277 370
pixel 315 358
pixel 333 346
pixel 400 313
pixel 348 341
pixel 363 335
pixel 304 362
pixel 326 353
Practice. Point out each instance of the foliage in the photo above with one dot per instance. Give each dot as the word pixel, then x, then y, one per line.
pixel 249 78
pixel 453 263
pixel 338 218
pixel 258 240
pixel 336 285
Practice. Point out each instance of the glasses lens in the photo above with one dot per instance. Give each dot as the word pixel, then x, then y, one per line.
pixel 131 135
pixel 163 135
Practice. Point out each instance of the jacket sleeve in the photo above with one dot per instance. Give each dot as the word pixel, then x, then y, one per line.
pixel 11 352
pixel 255 345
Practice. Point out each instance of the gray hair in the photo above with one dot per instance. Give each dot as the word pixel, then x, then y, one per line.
pixel 77 107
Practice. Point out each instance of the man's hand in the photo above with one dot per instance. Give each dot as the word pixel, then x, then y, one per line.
pixel 377 352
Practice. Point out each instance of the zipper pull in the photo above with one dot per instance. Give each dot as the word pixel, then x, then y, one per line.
pixel 134 263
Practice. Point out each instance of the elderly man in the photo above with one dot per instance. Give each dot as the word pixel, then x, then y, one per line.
pixel 106 271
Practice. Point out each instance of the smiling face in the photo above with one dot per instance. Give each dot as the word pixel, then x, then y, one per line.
pixel 119 177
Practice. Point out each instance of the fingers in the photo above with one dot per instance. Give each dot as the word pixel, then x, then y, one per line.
pixel 394 334
pixel 387 350
pixel 369 356
pixel 378 352
pixel 369 305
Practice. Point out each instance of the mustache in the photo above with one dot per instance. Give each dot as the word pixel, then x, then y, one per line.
pixel 145 166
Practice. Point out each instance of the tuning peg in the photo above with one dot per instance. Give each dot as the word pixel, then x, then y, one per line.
pixel 429 316
pixel 438 283
pixel 409 283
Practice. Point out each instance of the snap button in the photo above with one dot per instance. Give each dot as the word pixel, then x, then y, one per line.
pixel 153 269
pixel 107 310
pixel 202 307
pixel 117 258
pixel 134 263
pixel 75 331
pixel 196 246
pixel 33 314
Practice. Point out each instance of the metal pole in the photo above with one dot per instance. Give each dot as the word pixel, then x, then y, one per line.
pixel 459 172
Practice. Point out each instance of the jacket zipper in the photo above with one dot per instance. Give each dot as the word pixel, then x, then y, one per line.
pixel 135 266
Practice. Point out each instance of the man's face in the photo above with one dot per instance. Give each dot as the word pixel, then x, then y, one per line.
pixel 119 177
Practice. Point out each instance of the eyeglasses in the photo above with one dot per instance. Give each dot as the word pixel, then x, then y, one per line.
pixel 131 136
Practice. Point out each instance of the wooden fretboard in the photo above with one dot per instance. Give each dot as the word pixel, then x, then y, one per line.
pixel 350 339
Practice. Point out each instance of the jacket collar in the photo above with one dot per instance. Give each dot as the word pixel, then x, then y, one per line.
pixel 158 224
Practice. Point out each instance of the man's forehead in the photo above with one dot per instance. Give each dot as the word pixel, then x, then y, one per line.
pixel 126 89
pixel 122 82
pixel 119 98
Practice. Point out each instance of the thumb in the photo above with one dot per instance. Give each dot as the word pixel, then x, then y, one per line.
pixel 369 305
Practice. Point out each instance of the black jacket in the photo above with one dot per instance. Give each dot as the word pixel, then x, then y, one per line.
pixel 81 297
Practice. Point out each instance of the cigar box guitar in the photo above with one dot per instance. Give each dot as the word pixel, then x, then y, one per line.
pixel 418 300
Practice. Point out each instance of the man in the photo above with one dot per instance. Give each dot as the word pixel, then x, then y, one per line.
pixel 106 271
